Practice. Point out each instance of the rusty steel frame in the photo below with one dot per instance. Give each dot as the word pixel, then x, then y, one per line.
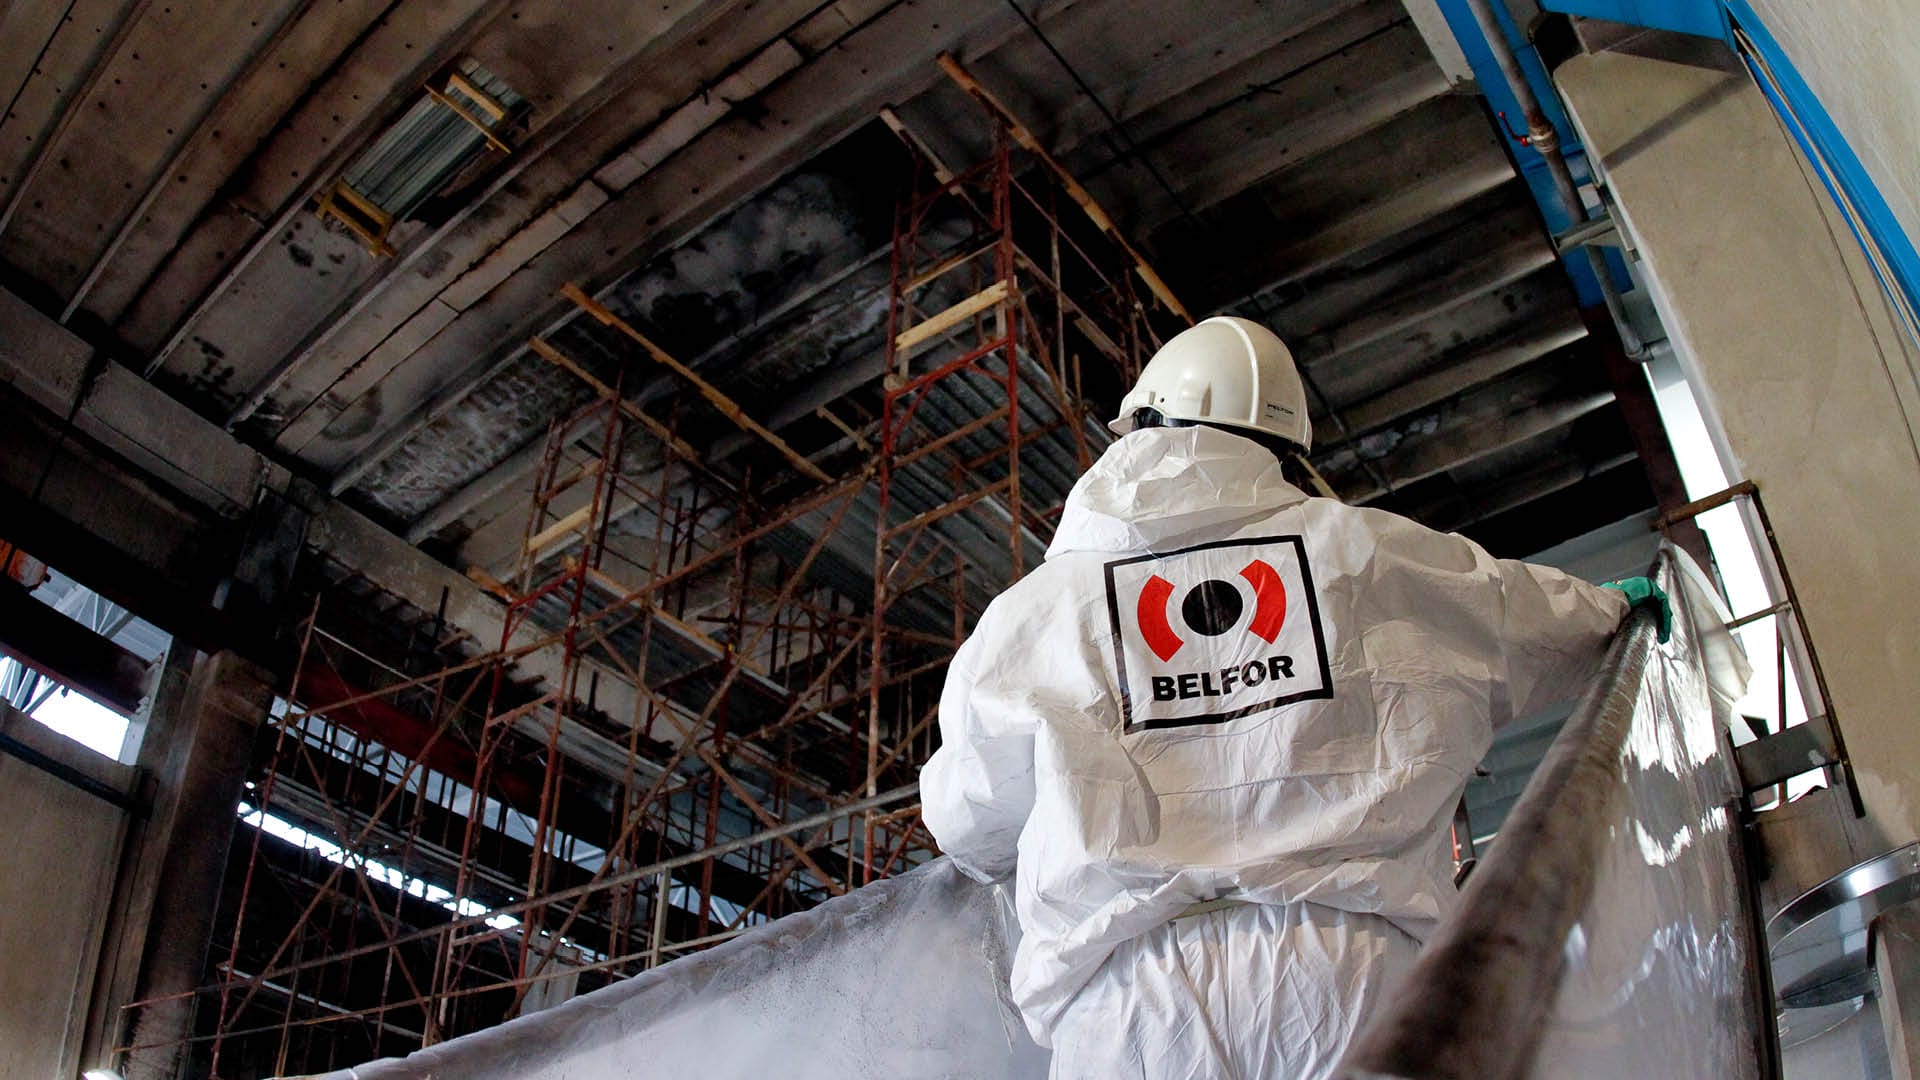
pixel 1005 290
pixel 1028 297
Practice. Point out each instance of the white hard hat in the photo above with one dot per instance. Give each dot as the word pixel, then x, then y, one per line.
pixel 1227 371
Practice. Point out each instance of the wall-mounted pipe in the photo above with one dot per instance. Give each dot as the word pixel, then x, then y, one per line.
pixel 1542 137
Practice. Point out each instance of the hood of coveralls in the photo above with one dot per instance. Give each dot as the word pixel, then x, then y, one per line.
pixel 1161 488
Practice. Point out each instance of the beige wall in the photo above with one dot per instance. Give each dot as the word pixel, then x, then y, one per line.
pixel 58 856
pixel 1786 342
pixel 1858 56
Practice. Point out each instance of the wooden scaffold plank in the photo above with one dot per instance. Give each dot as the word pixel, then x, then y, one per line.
pixel 719 400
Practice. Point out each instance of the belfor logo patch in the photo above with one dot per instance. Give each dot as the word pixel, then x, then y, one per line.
pixel 1212 608
pixel 1212 633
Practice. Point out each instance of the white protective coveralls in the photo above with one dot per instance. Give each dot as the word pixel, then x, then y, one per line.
pixel 1218 687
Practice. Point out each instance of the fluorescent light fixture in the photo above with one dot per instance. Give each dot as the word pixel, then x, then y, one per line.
pixel 444 131
pixel 100 1074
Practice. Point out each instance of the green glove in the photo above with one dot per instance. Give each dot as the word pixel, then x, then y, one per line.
pixel 1642 592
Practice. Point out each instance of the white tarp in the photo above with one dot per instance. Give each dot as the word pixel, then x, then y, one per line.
pixel 903 978
pixel 1658 966
pixel 907 977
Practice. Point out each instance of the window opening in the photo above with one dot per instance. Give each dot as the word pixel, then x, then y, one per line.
pixel 42 695
pixel 1774 695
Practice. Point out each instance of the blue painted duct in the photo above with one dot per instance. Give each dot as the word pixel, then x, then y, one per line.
pixel 1706 18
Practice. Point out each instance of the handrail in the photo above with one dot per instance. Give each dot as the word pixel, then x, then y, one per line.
pixel 1475 1004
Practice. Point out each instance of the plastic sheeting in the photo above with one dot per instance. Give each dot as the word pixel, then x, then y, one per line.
pixel 1660 968
pixel 903 978
pixel 907 977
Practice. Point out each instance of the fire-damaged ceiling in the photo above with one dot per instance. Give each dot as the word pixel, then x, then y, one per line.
pixel 395 247
pixel 717 175
pixel 337 229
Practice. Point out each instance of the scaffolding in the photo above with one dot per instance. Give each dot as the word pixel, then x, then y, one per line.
pixel 662 752
pixel 982 425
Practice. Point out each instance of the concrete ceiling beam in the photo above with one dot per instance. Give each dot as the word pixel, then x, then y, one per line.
pixel 1526 343
pixel 1431 138
pixel 1311 111
pixel 146 105
pixel 396 567
pixel 333 119
pixel 822 101
pixel 1366 226
pixel 124 413
pixel 816 104
pixel 1323 304
pixel 1295 42
pixel 1192 71
pixel 1459 285
pixel 32 28
pixel 496 480
pixel 1536 483
pixel 1524 405
pixel 370 370
pixel 53 66
pixel 546 189
pixel 1420 347
pixel 547 66
pixel 162 439
pixel 244 117
pixel 1456 447
pixel 1276 243
pixel 1343 206
pixel 1229 47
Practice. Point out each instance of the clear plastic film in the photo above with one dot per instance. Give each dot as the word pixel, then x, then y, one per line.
pixel 903 978
pixel 1660 966
pixel 1609 931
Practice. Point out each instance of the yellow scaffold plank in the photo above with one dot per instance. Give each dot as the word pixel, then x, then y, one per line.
pixel 1079 194
pixel 958 313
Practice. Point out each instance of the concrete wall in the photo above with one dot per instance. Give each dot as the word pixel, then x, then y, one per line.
pixel 1858 55
pixel 59 854
pixel 1788 347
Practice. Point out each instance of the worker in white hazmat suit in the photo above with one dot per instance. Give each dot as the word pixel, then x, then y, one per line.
pixel 1218 737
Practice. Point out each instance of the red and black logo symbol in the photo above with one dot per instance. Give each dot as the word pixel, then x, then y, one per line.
pixel 1212 608
pixel 1212 633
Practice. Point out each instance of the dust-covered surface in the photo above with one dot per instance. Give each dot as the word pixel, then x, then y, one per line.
pixel 1855 55
pixel 903 978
